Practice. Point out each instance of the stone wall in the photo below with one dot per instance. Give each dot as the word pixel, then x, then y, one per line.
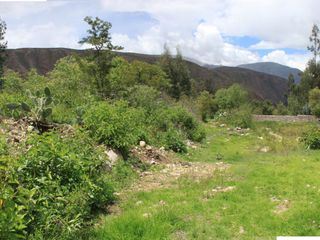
pixel 285 118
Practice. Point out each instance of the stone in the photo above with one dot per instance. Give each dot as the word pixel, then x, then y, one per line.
pixel 30 128
pixel 265 149
pixel 148 147
pixel 113 156
pixel 142 143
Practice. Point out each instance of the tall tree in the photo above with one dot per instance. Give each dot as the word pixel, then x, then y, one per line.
pixel 3 46
pixel 314 42
pixel 178 73
pixel 99 38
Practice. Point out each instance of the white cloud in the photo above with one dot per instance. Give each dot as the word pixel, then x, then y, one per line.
pixel 42 35
pixel 205 44
pixel 293 60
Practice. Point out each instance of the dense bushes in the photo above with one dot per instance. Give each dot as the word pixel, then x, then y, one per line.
pixel 311 138
pixel 116 125
pixel 53 188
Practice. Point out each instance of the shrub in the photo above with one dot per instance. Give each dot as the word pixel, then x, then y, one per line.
pixel 314 101
pixel 240 117
pixel 174 141
pixel 206 105
pixel 311 138
pixel 53 188
pixel 232 97
pixel 116 125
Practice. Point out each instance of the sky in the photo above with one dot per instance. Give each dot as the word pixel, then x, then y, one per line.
pixel 219 32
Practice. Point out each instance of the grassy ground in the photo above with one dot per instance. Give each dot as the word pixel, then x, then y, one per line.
pixel 272 188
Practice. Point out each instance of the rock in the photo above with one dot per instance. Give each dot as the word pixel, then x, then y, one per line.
pixel 139 203
pixel 142 143
pixel 152 162
pixel 148 147
pixel 146 215
pixel 265 149
pixel 189 143
pixel 261 138
pixel 162 149
pixel 222 125
pixel 113 156
pixel 30 128
pixel 238 128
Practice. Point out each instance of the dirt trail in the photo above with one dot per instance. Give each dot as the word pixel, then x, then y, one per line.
pixel 167 177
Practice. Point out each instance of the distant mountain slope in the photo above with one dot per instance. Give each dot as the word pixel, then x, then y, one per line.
pixel 260 85
pixel 273 69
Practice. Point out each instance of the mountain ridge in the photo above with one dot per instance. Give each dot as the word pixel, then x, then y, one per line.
pixel 260 85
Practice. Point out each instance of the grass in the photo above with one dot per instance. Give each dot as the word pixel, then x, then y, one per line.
pixel 276 192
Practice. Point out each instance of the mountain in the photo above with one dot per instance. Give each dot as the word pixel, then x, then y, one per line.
pixel 259 85
pixel 274 69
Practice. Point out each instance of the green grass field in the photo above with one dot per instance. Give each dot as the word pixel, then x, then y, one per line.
pixel 274 190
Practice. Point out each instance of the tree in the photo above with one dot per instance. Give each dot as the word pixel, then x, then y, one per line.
pixel 315 42
pixel 206 105
pixel 178 73
pixel 314 101
pixel 100 39
pixel 232 97
pixel 3 46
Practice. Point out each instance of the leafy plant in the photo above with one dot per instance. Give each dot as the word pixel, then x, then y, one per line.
pixel 52 189
pixel 311 138
pixel 116 125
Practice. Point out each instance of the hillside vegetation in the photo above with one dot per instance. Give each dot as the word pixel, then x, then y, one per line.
pixel 105 148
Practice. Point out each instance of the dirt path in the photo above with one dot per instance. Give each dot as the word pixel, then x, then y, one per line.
pixel 167 177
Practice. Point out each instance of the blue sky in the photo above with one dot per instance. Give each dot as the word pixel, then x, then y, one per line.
pixel 227 32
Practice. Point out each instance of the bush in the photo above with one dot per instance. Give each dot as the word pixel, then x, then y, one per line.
pixel 232 97
pixel 116 125
pixel 51 190
pixel 314 101
pixel 240 117
pixel 174 141
pixel 311 138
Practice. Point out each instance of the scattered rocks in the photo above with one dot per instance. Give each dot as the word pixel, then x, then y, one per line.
pixel 167 176
pixel 150 155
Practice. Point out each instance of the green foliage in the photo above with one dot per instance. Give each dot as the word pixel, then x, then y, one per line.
pixel 124 75
pixel 116 125
pixel 12 82
pixel 206 105
pixel 230 98
pixel 314 101
pixel 280 109
pixel 41 107
pixel 295 105
pixel 174 141
pixel 143 96
pixel 240 117
pixel 178 73
pixel 311 138
pixel 52 189
pixel 6 98
pixel 101 60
